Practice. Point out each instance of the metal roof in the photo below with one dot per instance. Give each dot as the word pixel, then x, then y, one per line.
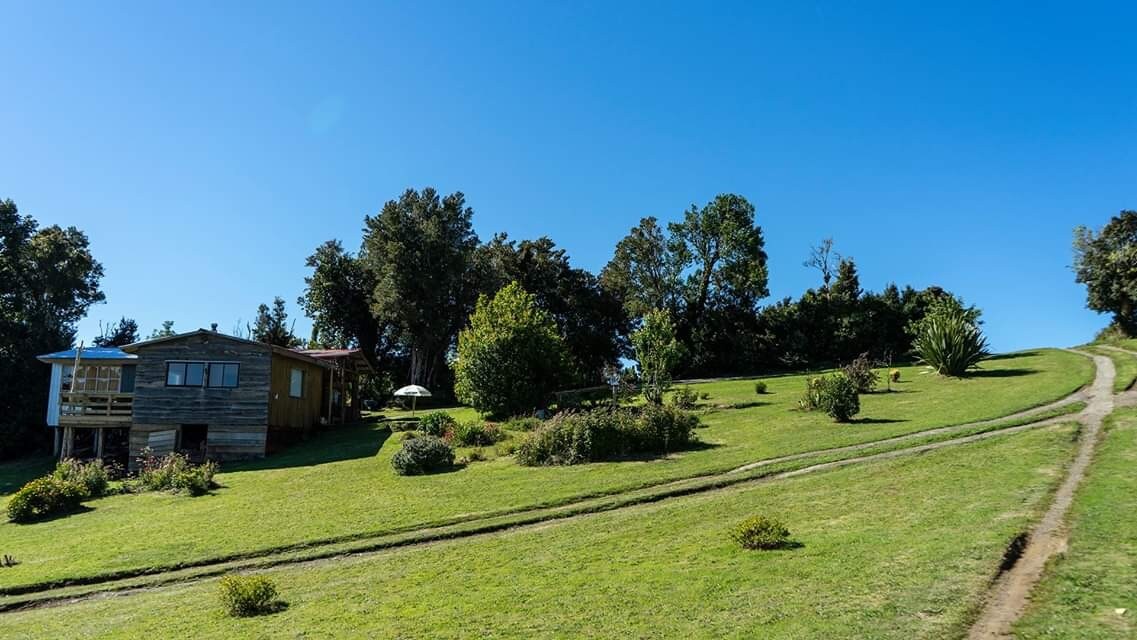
pixel 90 353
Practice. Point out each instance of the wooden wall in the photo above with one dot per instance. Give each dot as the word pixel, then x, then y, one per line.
pixel 155 403
pixel 295 413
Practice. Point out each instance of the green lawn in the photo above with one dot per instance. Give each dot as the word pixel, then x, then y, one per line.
pixel 896 549
pixel 342 482
pixel 1097 575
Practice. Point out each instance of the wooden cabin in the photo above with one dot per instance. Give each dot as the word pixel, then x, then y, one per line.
pixel 202 393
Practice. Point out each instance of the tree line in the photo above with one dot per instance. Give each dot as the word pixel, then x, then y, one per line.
pixel 412 286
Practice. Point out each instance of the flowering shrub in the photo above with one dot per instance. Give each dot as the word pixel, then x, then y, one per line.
pixel 175 473
pixel 44 497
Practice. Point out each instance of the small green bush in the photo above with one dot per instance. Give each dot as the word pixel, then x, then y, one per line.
pixel 477 434
pixel 44 497
pixel 860 371
pixel 423 455
pixel 760 387
pixel 894 375
pixel 522 424
pixel 175 473
pixel 837 396
pixel 246 595
pixel 811 398
pixel 760 532
pixel 437 423
pixel 684 398
pixel 93 477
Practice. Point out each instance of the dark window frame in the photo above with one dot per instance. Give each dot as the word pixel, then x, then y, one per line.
pixel 207 365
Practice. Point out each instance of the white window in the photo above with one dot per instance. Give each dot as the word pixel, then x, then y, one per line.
pixel 296 383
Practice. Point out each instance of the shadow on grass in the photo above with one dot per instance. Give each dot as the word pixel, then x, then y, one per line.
pixel 875 421
pixel 276 606
pixel 1009 356
pixel 1001 373
pixel 16 473
pixel 346 442
pixel 748 405
pixel 57 516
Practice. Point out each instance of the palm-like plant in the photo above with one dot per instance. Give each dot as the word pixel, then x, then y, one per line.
pixel 950 344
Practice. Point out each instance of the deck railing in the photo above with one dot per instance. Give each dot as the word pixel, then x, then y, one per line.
pixel 95 406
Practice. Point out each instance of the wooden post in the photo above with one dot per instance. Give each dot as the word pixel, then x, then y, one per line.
pixel 57 445
pixel 331 392
pixel 99 437
pixel 343 396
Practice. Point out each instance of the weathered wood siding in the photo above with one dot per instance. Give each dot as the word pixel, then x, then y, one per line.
pixel 236 418
pixel 295 413
pixel 247 404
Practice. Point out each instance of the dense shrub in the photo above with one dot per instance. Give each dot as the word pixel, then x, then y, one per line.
pixel 760 532
pixel 950 344
pixel 477 434
pixel 423 455
pixel 575 438
pixel 246 595
pixel 522 424
pixel 860 372
pixel 837 396
pixel 760 387
pixel 174 472
pixel 511 357
pixel 684 398
pixel 437 423
pixel 92 477
pixel 44 497
pixel 894 375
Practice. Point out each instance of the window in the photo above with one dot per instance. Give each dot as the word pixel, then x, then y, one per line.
pixel 217 375
pixel 296 384
pixel 91 378
pixel 223 374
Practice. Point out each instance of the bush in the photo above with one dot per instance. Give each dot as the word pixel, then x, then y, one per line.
pixel 92 477
pixel 175 473
pixel 422 455
pixel 760 532
pixel 522 424
pixel 950 344
pixel 894 375
pixel 474 455
pixel 860 372
pixel 437 423
pixel 684 398
pixel 760 387
pixel 576 438
pixel 511 357
pixel 44 497
pixel 477 434
pixel 246 595
pixel 811 399
pixel 837 396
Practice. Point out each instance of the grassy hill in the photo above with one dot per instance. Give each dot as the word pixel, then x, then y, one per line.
pixel 341 484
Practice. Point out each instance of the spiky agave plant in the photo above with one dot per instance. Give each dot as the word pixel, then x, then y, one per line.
pixel 950 344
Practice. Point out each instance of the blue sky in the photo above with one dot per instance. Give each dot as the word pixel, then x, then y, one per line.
pixel 207 149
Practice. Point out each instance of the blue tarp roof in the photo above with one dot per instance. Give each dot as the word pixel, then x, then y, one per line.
pixel 90 353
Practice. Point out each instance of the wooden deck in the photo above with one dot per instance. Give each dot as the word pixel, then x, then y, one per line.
pixel 95 408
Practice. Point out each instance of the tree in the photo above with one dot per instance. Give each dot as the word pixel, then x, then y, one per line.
pixel 271 326
pixel 166 331
pixel 657 351
pixel 824 259
pixel 589 318
pixel 728 252
pixel 48 280
pixel 644 274
pixel 419 249
pixel 1106 262
pixel 510 358
pixel 123 333
pixel 339 298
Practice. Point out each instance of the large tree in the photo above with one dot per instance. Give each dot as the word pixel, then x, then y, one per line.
pixel 588 316
pixel 1106 262
pixel 644 274
pixel 271 325
pixel 48 280
pixel 419 249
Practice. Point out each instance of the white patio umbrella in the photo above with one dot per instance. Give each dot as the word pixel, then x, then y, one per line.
pixel 414 392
